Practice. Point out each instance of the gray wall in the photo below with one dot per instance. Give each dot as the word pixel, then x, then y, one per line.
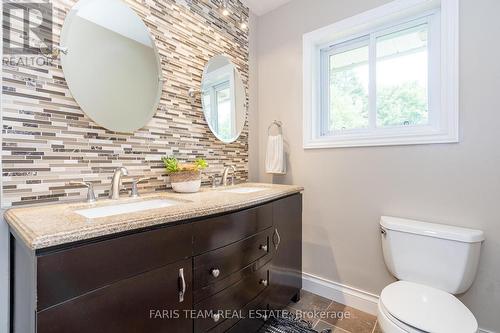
pixel 347 190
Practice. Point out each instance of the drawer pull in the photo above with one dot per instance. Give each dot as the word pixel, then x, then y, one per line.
pixel 264 282
pixel 263 248
pixel 278 241
pixel 215 272
pixel 216 317
pixel 182 285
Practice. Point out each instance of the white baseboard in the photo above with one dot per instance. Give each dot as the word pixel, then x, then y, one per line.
pixel 481 330
pixel 340 293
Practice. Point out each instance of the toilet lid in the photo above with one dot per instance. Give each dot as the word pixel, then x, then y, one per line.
pixel 427 309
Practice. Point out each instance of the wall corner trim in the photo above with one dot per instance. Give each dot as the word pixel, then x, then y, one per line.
pixel 341 293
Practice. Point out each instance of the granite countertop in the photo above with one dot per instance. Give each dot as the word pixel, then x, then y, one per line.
pixel 43 226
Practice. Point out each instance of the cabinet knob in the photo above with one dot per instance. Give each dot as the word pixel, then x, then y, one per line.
pixel 216 317
pixel 215 272
pixel 264 282
pixel 263 248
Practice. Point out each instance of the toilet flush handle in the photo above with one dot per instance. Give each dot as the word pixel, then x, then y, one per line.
pixel 383 231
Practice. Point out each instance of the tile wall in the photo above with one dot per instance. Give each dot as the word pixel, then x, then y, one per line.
pixel 48 141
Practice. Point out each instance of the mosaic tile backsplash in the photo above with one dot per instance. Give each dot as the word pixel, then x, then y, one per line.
pixel 48 141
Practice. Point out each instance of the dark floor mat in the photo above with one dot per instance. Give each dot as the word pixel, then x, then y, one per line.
pixel 288 323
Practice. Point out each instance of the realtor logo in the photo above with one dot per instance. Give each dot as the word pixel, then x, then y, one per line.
pixel 27 27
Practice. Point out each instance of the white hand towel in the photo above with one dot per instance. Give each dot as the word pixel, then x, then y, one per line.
pixel 275 156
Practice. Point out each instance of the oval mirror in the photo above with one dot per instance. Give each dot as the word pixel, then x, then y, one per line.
pixel 223 98
pixel 111 64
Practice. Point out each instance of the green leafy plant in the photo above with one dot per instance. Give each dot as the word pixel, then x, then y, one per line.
pixel 201 163
pixel 172 165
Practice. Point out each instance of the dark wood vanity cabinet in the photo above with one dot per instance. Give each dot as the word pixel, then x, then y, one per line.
pixel 286 266
pixel 206 275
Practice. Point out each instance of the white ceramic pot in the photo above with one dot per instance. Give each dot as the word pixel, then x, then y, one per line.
pixel 186 181
pixel 187 187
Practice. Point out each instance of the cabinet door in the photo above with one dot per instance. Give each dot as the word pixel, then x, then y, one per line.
pixel 285 279
pixel 150 302
pixel 72 272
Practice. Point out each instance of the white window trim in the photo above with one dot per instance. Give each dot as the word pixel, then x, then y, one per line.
pixel 313 42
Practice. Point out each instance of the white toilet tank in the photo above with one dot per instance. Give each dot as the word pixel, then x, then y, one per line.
pixel 436 255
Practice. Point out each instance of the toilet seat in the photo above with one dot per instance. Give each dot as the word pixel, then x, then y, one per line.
pixel 389 324
pixel 412 307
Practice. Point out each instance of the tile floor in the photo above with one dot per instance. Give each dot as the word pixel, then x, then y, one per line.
pixel 326 314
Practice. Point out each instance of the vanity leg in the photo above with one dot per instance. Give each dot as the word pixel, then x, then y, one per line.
pixel 296 297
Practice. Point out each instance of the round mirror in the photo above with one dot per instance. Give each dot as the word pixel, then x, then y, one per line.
pixel 224 99
pixel 111 64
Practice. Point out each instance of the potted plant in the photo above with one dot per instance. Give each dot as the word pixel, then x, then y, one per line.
pixel 184 177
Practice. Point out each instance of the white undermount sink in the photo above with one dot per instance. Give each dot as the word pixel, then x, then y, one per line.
pixel 126 208
pixel 244 190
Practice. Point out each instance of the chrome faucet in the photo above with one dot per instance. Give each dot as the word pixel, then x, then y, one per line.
pixel 116 183
pixel 90 192
pixel 223 180
pixel 134 193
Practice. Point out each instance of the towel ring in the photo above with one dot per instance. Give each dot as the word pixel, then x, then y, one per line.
pixel 276 123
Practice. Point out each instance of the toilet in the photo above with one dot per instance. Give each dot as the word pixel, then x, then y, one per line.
pixel 433 262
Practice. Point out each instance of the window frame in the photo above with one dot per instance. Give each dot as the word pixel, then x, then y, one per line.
pixel 216 81
pixel 442 20
pixel 369 39
pixel 325 54
pixel 214 107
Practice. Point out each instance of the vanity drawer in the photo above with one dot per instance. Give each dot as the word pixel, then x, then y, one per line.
pixel 233 298
pixel 253 317
pixel 222 230
pixel 219 285
pixel 69 273
pixel 217 264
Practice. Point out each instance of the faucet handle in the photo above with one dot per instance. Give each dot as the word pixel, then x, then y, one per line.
pixel 134 193
pixel 213 179
pixel 90 193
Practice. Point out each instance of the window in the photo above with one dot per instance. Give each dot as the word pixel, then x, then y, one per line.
pixel 382 83
pixel 345 88
pixel 218 101
pixel 224 123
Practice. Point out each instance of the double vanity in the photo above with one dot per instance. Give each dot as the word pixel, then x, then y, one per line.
pixel 212 261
